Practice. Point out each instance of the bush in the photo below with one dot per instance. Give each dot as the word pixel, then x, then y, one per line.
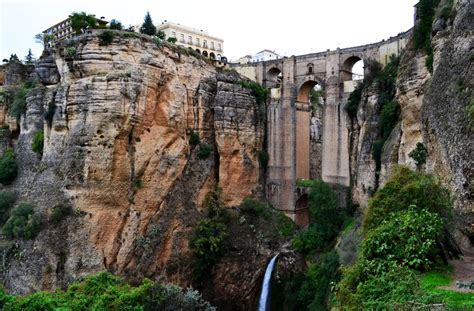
pixel 354 100
pixel 70 52
pixel 8 167
pixel 326 219
pixel 419 154
pixel 115 24
pixel 388 118
pixel 281 224
pixel 193 138
pixel 422 29
pixel 259 92
pixel 60 212
pixel 316 287
pixel 106 37
pixel 407 237
pixel 403 189
pixel 103 291
pixel 7 199
pixel 204 151
pixel 18 107
pixel 172 40
pixel 38 142
pixel 148 28
pixel 23 223
pixel 263 158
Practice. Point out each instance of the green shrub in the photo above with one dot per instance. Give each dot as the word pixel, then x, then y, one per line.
pixel 172 40
pixel 158 42
pixel 281 224
pixel 70 52
pixel 326 219
pixel 106 37
pixel 405 188
pixel 8 167
pixel 419 154
pixel 204 151
pixel 407 237
pixel 7 200
pixel 207 244
pixel 263 158
pixel 23 222
pixel 316 287
pixel 103 291
pixel 18 107
pixel 388 118
pixel 354 100
pixel 60 212
pixel 115 24
pixel 38 142
pixel 422 29
pixel 193 138
pixel 259 92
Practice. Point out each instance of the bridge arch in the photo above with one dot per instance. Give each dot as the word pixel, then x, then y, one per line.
pixel 304 89
pixel 347 72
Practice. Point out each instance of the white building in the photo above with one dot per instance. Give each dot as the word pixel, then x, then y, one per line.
pixel 198 40
pixel 264 56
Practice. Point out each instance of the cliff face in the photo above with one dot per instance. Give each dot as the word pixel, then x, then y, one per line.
pixel 117 150
pixel 433 112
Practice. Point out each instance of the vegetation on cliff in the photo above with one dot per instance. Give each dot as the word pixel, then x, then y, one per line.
pixel 405 233
pixel 103 291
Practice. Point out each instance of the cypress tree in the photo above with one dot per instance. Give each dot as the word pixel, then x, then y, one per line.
pixel 148 28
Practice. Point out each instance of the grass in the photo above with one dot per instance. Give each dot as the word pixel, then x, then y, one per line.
pixel 433 280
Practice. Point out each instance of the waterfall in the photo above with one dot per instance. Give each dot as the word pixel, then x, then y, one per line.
pixel 265 294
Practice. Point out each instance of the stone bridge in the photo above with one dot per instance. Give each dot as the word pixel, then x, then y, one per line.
pixel 308 143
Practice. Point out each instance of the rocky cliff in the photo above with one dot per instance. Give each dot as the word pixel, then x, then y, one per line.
pixel 118 120
pixel 434 111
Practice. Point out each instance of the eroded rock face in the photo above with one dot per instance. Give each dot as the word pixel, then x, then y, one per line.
pixel 433 112
pixel 117 150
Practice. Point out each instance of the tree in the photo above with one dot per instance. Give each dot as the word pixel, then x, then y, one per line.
pixel 29 58
pixel 14 59
pixel 81 21
pixel 172 40
pixel 419 154
pixel 115 24
pixel 160 34
pixel 148 28
pixel 44 39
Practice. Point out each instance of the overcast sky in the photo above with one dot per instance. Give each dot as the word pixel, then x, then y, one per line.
pixel 247 26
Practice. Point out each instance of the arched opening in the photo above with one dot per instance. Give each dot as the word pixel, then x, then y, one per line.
pixel 212 56
pixel 274 77
pixel 302 211
pixel 204 53
pixel 352 69
pixel 224 59
pixel 310 92
pixel 199 51
pixel 219 56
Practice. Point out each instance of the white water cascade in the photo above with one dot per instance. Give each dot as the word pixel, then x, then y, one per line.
pixel 265 294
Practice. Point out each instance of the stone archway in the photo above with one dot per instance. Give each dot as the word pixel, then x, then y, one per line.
pixel 347 73
pixel 274 77
pixel 302 211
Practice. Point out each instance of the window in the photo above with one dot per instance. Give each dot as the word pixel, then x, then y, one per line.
pixel 181 38
pixel 212 45
pixel 219 47
pixel 198 42
pixel 204 44
pixel 190 40
pixel 173 34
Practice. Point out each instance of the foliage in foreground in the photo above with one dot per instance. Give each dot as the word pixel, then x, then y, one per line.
pixel 430 283
pixel 103 291
pixel 403 229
